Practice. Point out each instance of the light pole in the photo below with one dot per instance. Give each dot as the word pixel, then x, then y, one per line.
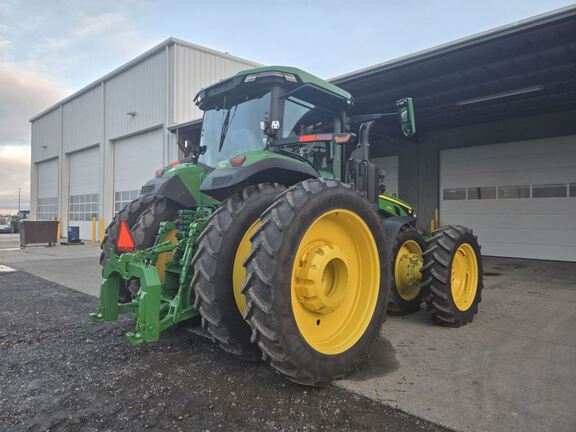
pixel 18 200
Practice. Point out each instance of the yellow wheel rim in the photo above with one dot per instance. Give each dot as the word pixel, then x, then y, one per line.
pixel 407 276
pixel 335 281
pixel 464 277
pixel 165 257
pixel 239 271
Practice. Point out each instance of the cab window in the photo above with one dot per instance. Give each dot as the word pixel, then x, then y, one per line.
pixel 303 118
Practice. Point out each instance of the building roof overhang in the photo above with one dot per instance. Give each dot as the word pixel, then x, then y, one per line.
pixel 522 69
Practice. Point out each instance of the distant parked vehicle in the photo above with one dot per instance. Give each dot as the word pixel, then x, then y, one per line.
pixel 20 216
pixel 23 214
pixel 6 227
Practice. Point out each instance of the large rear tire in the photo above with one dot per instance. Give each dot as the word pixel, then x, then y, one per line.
pixel 406 290
pixel 143 216
pixel 452 275
pixel 318 281
pixel 219 272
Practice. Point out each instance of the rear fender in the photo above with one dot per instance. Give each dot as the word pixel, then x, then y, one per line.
pixel 172 188
pixel 392 227
pixel 223 182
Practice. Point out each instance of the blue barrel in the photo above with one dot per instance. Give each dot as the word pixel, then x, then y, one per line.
pixel 73 233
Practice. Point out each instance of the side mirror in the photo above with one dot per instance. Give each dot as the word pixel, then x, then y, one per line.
pixel 405 110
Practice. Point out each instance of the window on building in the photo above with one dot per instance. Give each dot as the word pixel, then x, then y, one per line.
pixel 510 192
pixel 84 207
pixel 549 191
pixel 572 188
pixel 122 198
pixel 453 194
pixel 476 193
pixel 47 208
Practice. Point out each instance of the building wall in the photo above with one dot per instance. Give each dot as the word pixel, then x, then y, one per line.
pixel 46 144
pixel 419 167
pixel 195 69
pixel 82 121
pixel 47 136
pixel 514 196
pixel 142 90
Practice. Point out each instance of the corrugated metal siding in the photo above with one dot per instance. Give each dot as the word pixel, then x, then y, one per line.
pixel 141 89
pixel 136 159
pixel 83 121
pixel 195 69
pixel 46 131
pixel 520 226
pixel 48 179
pixel 84 171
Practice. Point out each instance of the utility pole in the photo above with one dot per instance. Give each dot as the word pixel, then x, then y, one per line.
pixel 18 200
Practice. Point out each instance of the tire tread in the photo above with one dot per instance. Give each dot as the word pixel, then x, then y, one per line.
pixel 440 249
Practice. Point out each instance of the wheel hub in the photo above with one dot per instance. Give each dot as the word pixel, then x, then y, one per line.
pixel 410 265
pixel 464 277
pixel 335 281
pixel 322 277
pixel 407 270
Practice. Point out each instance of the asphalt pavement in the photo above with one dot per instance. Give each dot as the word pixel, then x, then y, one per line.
pixel 61 372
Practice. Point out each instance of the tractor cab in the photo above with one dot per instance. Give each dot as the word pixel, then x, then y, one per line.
pixel 270 124
pixel 270 108
pixel 284 125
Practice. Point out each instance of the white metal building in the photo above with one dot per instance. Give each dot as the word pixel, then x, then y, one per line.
pixel 93 151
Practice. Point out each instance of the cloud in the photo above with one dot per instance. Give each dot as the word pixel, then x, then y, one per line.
pixel 70 41
pixel 22 95
pixel 5 45
pixel 104 22
pixel 112 32
pixel 67 42
pixel 15 173
pixel 115 32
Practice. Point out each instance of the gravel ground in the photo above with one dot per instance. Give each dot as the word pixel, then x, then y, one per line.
pixel 60 372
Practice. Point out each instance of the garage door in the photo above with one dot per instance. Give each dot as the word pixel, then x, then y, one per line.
pixel 84 190
pixel 135 161
pixel 390 166
pixel 47 190
pixel 519 197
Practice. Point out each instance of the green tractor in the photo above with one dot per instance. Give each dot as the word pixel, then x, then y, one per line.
pixel 276 231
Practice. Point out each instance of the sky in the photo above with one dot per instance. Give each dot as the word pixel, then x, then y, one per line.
pixel 50 49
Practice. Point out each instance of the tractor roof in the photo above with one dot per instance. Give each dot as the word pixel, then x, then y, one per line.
pixel 303 77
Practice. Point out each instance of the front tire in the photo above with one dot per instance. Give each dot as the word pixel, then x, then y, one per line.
pixel 219 272
pixel 318 281
pixel 452 275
